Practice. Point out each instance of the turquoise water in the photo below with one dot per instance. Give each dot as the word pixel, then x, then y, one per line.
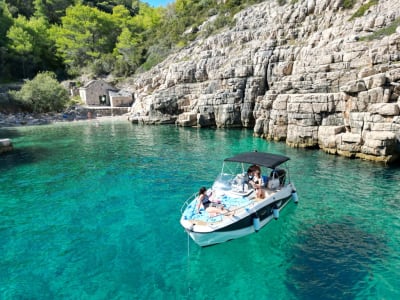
pixel 92 212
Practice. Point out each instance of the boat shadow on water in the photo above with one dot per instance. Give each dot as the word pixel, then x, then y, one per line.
pixel 332 259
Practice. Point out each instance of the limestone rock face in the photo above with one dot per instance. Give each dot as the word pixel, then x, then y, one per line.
pixel 300 73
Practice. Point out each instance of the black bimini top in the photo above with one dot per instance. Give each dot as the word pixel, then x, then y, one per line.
pixel 268 160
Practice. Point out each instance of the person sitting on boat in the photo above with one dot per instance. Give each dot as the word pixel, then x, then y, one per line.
pixel 255 168
pixel 250 174
pixel 258 183
pixel 245 179
pixel 208 205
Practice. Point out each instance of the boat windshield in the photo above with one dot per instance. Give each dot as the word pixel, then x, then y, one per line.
pixel 223 182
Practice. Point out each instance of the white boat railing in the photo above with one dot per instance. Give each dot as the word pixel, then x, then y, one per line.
pixel 187 202
pixel 231 210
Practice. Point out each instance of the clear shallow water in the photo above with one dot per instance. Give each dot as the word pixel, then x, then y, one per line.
pixel 92 212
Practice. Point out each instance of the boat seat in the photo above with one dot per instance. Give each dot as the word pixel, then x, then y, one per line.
pixel 265 179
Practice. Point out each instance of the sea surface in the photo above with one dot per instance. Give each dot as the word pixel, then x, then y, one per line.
pixel 91 210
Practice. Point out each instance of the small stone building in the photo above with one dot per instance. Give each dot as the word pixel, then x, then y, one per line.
pixel 120 99
pixel 101 93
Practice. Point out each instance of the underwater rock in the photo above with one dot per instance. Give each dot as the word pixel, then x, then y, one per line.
pixel 330 259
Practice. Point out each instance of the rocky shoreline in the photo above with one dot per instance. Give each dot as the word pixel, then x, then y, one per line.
pixel 24 119
pixel 78 113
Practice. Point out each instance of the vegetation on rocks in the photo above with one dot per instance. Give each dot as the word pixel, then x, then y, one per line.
pixel 388 30
pixel 363 8
pixel 349 3
pixel 118 37
pixel 70 37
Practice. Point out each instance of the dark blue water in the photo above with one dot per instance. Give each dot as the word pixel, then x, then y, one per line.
pixel 92 212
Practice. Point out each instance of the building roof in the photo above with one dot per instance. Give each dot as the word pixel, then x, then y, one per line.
pixel 87 85
pixel 121 93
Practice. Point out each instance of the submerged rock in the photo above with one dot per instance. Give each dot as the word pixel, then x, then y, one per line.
pixel 330 259
pixel 5 145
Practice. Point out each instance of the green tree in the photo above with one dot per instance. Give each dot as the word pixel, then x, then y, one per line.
pixel 52 10
pixel 107 5
pixel 20 7
pixel 129 50
pixel 42 94
pixel 128 53
pixel 21 42
pixel 5 23
pixel 121 16
pixel 84 36
pixel 44 48
pixel 148 17
pixel 30 46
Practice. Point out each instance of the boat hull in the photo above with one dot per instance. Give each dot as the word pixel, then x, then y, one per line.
pixel 241 227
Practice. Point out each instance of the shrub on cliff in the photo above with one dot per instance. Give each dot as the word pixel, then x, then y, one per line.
pixel 363 8
pixel 42 94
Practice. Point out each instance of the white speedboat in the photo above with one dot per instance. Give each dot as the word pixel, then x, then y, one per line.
pixel 243 212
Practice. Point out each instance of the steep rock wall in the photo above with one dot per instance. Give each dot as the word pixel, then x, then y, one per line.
pixel 297 73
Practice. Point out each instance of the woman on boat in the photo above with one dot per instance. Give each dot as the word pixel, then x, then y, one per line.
pixel 205 202
pixel 258 183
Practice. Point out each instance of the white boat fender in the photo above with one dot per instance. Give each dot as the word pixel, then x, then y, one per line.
pixel 295 197
pixel 256 222
pixel 275 212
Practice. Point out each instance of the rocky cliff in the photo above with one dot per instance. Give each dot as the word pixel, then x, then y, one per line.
pixel 305 73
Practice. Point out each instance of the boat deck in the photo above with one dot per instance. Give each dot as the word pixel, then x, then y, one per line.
pixel 232 203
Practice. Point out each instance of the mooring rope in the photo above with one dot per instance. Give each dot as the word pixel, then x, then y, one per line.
pixel 188 265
